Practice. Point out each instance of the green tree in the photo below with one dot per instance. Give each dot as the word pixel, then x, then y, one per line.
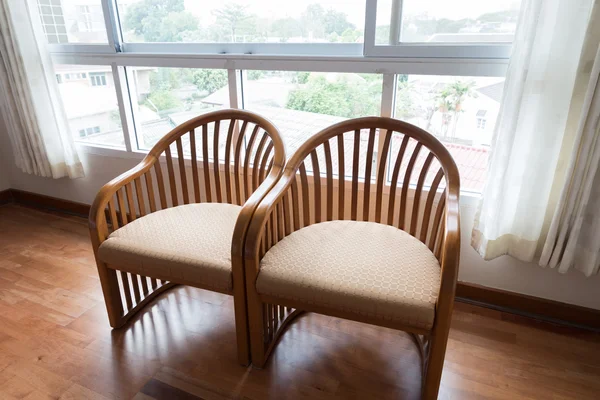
pixel 159 20
pixel 404 100
pixel 210 80
pixel 451 101
pixel 341 97
pixel 285 28
pixel 232 16
pixel 163 100
pixel 336 22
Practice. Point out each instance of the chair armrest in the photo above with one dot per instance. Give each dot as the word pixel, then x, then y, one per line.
pixel 450 254
pixel 97 220
pixel 248 213
pixel 252 247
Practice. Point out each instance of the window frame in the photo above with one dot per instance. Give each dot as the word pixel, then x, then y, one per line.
pixel 452 60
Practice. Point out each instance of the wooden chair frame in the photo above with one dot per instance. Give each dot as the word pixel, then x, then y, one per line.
pixel 279 214
pixel 242 180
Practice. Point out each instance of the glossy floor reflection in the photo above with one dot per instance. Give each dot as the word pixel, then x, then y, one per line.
pixel 55 341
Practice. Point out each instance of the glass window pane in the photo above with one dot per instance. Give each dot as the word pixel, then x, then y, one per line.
pixel 166 97
pixel 95 120
pixel 302 103
pixel 460 111
pixel 443 21
pixel 73 21
pixel 258 21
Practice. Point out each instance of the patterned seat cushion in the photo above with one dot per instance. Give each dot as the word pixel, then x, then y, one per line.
pixel 190 242
pixel 364 268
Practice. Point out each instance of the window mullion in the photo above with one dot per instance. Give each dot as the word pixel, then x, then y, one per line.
pixel 124 102
pixel 396 22
pixel 235 93
pixel 111 22
pixel 388 100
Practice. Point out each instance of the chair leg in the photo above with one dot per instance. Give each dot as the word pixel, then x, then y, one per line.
pixel 112 295
pixel 241 328
pixel 258 348
pixel 435 363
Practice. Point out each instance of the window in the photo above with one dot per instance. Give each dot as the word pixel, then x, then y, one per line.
pixel 167 97
pixel 67 21
pixel 93 113
pixel 145 66
pixel 98 79
pixel 302 103
pixel 244 21
pixel 481 120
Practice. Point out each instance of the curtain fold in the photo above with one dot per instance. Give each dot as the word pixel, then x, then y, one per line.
pixel 31 106
pixel 530 127
pixel 574 236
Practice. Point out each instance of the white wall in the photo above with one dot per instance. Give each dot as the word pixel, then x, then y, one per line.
pixel 502 273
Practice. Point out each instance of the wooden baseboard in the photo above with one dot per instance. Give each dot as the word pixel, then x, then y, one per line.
pixel 518 303
pixel 536 307
pixel 49 203
pixel 6 196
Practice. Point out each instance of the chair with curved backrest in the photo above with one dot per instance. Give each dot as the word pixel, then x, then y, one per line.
pixel 343 235
pixel 172 221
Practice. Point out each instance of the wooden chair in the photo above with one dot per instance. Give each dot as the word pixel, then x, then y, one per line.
pixel 150 232
pixel 382 249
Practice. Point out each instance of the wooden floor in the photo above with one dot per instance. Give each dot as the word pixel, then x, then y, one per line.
pixel 55 342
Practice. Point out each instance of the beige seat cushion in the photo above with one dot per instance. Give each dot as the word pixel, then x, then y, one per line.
pixel 359 267
pixel 190 242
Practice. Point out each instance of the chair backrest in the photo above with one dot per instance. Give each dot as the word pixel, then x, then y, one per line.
pixel 406 187
pixel 231 152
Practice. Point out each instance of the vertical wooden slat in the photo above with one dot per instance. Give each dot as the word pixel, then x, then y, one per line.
pixel 144 285
pixel 122 209
pixel 130 203
pixel 329 172
pixel 113 214
pixel 248 155
pixel 139 193
pixel 317 182
pixel 440 241
pixel 406 184
pixel 256 164
pixel 265 165
pixel 154 283
pixel 295 204
pixel 383 157
pixel 227 169
pixel 182 173
pixel 437 220
pixel 205 167
pixel 428 204
pixel 394 182
pixel 171 172
pixel 126 289
pixel 240 195
pixel 217 170
pixel 417 199
pixel 150 191
pixel 194 157
pixel 287 217
pixel 161 185
pixel 269 322
pixel 368 166
pixel 341 176
pixel 355 163
pixel 280 221
pixel 136 288
pixel 305 197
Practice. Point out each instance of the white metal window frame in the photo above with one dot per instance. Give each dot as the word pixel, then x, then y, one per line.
pixel 389 61
pixel 395 48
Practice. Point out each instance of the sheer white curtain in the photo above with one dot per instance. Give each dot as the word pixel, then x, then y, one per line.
pixel 530 127
pixel 574 236
pixel 31 106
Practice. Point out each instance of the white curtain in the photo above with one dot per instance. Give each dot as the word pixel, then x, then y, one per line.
pixel 530 127
pixel 31 106
pixel 574 236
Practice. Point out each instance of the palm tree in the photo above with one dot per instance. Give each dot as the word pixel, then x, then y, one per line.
pixel 457 93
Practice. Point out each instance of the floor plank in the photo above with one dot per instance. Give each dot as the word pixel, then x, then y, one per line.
pixel 55 341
